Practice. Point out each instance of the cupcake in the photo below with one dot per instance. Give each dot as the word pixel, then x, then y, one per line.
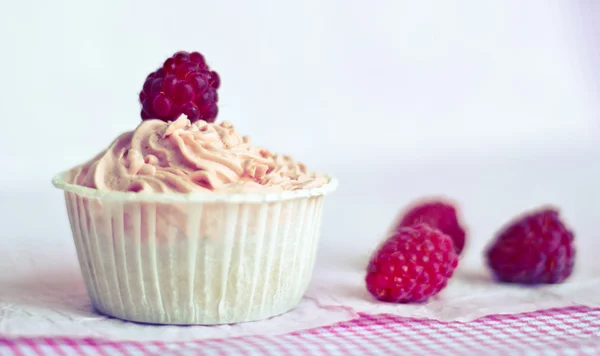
pixel 184 221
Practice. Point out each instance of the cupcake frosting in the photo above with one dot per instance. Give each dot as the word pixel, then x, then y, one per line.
pixel 180 157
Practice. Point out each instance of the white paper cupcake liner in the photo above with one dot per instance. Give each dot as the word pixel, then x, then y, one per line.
pixel 195 259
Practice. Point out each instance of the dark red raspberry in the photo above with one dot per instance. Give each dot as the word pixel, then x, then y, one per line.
pixel 440 215
pixel 184 84
pixel 412 265
pixel 536 248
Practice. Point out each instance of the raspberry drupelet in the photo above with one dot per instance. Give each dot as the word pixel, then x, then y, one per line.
pixel 183 85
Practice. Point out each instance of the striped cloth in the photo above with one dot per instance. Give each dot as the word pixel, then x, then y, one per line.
pixel 567 331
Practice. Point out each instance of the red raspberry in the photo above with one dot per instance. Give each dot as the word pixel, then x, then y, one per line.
pixel 412 265
pixel 537 248
pixel 439 215
pixel 184 84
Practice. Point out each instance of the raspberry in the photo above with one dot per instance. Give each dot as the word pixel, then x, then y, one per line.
pixel 183 85
pixel 535 249
pixel 412 265
pixel 439 215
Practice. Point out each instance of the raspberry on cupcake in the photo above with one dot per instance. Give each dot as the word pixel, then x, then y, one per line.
pixel 183 85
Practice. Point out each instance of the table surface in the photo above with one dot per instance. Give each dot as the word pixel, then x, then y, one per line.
pixel 567 331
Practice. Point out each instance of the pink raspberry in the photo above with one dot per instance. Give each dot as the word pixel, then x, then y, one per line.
pixel 439 215
pixel 414 264
pixel 183 85
pixel 536 248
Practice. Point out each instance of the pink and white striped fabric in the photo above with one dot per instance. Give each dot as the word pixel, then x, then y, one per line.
pixel 568 331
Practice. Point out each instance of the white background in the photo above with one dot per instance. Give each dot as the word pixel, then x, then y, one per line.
pixel 493 103
pixel 329 82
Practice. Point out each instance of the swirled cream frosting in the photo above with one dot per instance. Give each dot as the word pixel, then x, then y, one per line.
pixel 181 157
